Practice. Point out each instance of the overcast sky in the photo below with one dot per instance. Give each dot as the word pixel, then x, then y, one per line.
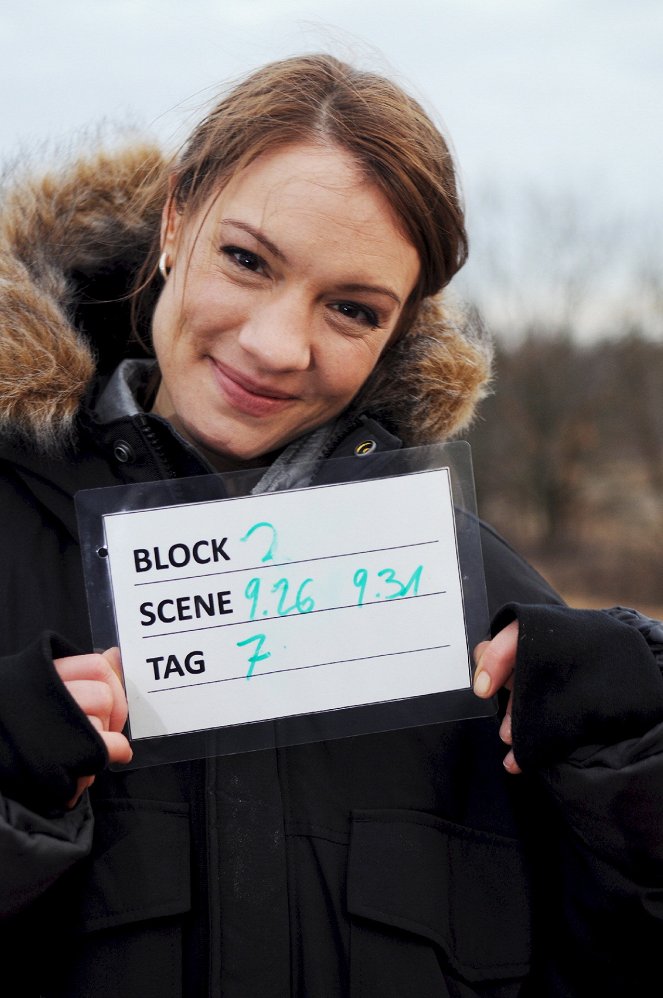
pixel 556 90
pixel 564 95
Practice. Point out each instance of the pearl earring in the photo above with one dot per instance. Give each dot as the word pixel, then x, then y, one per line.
pixel 164 265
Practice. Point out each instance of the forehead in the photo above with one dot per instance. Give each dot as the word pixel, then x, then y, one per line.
pixel 309 193
pixel 327 173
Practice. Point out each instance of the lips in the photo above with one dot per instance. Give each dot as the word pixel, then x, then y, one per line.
pixel 250 397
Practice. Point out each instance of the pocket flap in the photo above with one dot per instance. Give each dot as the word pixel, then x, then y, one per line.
pixel 140 864
pixel 465 890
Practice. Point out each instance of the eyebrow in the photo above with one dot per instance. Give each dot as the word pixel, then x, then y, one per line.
pixel 352 287
pixel 371 288
pixel 257 235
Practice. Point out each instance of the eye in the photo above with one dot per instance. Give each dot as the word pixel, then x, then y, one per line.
pixel 357 313
pixel 244 258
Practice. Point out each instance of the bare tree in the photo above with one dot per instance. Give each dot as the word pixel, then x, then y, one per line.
pixel 569 449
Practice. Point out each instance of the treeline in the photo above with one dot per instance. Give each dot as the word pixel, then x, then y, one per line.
pixel 568 455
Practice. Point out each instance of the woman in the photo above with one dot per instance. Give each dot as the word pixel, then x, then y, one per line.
pixel 289 265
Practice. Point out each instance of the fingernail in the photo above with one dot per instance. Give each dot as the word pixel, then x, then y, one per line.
pixel 505 729
pixel 481 684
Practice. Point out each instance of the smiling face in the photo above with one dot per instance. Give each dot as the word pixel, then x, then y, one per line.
pixel 284 291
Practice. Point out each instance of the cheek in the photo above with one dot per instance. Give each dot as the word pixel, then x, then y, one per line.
pixel 209 310
pixel 159 340
pixel 350 366
pixel 177 325
pixel 166 323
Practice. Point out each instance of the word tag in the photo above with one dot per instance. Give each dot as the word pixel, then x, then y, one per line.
pixel 269 606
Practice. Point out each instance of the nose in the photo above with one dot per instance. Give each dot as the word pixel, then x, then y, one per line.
pixel 277 334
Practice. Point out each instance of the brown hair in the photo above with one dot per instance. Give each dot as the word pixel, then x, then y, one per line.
pixel 320 98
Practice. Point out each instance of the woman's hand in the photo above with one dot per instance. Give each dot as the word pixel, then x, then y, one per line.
pixel 495 666
pixel 94 683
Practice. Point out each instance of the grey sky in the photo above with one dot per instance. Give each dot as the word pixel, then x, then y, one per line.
pixel 562 95
pixel 558 91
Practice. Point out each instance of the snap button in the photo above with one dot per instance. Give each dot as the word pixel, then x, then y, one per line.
pixel 123 452
pixel 365 447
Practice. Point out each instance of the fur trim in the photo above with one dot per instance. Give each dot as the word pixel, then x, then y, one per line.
pixel 86 219
pixel 51 228
pixel 430 382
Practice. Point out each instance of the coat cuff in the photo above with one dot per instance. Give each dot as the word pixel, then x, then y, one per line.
pixel 46 740
pixel 582 678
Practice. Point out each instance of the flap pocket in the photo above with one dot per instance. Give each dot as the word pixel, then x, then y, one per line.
pixel 140 864
pixel 465 890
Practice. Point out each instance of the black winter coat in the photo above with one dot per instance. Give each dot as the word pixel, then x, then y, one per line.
pixel 400 864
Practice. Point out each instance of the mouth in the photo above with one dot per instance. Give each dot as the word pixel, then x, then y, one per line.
pixel 248 396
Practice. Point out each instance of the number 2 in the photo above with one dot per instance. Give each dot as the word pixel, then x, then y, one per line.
pixel 269 556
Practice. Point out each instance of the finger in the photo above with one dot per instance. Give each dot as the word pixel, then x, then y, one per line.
pixel 505 726
pixel 510 764
pixel 102 669
pixel 92 666
pixel 112 656
pixel 496 661
pixel 117 746
pixel 482 679
pixel 94 698
pixel 96 723
pixel 81 786
pixel 479 650
pixel 119 713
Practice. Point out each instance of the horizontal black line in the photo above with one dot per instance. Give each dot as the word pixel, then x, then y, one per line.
pixel 299 668
pixel 282 564
pixel 288 616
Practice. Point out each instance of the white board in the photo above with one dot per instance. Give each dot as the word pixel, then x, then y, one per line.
pixel 288 603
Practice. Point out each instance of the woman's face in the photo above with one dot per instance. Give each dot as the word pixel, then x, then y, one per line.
pixel 284 291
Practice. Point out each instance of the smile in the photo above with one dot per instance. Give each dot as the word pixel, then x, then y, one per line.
pixel 247 396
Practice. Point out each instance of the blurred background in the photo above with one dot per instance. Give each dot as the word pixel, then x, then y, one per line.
pixel 554 111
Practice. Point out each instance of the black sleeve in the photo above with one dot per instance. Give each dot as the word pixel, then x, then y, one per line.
pixel 583 677
pixel 46 741
pixel 509 578
pixel 587 722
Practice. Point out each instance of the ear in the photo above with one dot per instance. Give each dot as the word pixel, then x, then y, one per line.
pixel 171 222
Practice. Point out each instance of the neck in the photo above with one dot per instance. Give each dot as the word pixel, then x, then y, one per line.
pixel 220 462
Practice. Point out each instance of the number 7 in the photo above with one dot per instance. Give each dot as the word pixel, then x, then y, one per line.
pixel 256 657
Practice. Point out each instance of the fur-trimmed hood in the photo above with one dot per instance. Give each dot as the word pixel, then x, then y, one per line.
pixel 71 243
